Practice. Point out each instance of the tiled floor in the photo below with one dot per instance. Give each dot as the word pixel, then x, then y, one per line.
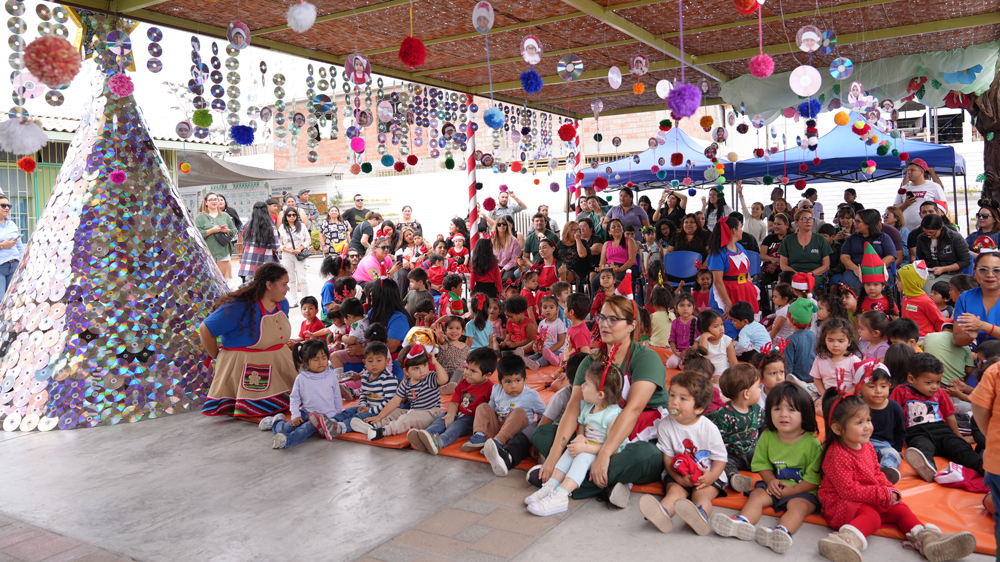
pixel 26 543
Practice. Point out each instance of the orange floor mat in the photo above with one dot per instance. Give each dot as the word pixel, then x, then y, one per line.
pixel 455 451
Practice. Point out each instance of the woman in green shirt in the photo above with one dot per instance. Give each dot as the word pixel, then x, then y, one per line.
pixel 214 223
pixel 806 251
pixel 645 391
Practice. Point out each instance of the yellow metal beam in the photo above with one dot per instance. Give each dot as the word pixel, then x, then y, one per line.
pixel 330 17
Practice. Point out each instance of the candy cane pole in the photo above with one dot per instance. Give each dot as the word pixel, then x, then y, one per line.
pixel 578 148
pixel 473 211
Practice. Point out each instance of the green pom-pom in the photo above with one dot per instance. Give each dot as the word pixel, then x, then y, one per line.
pixel 882 150
pixel 768 179
pixel 981 178
pixel 836 89
pixel 366 167
pixel 608 198
pixel 202 118
pixel 721 180
pixel 449 164
pixel 598 137
pixel 895 153
pixel 666 124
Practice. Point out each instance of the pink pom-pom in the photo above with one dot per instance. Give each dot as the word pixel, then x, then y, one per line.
pixel 761 66
pixel 784 180
pixel 687 181
pixel 571 189
pixel 870 163
pixel 489 204
pixel 358 144
pixel 412 52
pixel 120 85
pixel 503 187
pixel 53 60
pixel 684 100
pixel 654 169
pixel 399 166
pixel 118 177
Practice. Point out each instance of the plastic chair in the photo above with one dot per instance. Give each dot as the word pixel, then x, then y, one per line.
pixel 755 262
pixel 680 266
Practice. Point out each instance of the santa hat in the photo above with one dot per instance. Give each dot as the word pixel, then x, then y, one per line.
pixel 625 287
pixel 872 266
pixel 458 236
pixel 803 282
pixel 920 266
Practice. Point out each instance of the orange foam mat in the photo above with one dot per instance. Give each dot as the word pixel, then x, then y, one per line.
pixel 389 442
pixel 455 451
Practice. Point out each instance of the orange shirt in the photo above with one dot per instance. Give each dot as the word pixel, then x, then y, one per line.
pixel 985 395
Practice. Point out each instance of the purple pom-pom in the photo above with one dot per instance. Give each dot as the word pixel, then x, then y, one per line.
pixel 810 109
pixel 531 81
pixel 761 66
pixel 554 187
pixel 118 177
pixel 242 134
pixel 684 100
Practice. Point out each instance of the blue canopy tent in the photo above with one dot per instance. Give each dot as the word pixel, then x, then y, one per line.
pixel 640 174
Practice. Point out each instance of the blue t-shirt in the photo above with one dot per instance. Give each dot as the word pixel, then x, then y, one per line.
pixel 972 302
pixel 719 261
pixel 327 294
pixel 229 323
pixel 480 338
pixel 397 329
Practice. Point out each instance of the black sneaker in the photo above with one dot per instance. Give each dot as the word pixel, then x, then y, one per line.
pixel 376 433
pixel 500 458
pixel 533 477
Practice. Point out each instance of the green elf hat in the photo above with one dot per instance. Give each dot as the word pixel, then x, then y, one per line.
pixel 801 312
pixel 872 267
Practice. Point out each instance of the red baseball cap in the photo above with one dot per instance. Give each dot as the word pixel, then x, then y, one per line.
pixel 918 162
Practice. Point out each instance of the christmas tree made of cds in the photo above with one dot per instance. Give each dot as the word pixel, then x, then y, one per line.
pixel 100 324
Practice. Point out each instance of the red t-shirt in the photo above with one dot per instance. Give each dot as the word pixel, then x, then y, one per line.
pixel 919 409
pixel 922 310
pixel 701 300
pixel 578 337
pixel 595 307
pixel 880 304
pixel 470 396
pixel 314 326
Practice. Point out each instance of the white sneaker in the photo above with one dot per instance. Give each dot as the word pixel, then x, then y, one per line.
pixel 556 502
pixel 279 441
pixel 359 425
pixel 543 492
pixel 726 526
pixel 267 423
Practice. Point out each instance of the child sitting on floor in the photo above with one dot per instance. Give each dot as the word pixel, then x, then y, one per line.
pixel 458 420
pixel 354 316
pixel 888 420
pixel 449 332
pixel 599 410
pixel 661 319
pixel 829 305
pixel 378 386
pixel 561 291
pixel 788 458
pixel 310 323
pixel 837 356
pixel 694 456
pixel 549 339
pixel 739 421
pixel 782 297
pixel 858 499
pixel 931 428
pixel 513 406
pixel 520 329
pixel 418 388
pixel 917 306
pixel 315 390
pixel 684 329
pixel 800 347
pixel 753 336
pixel 451 302
pixel 871 332
pixel 721 351
pixel 904 330
pixel 941 295
pixel 479 330
pixel 695 358
pixel 772 371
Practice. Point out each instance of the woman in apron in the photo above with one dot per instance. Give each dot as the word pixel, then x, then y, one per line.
pixel 730 267
pixel 254 370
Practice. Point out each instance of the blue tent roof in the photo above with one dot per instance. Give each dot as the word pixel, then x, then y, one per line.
pixel 640 175
pixel 841 153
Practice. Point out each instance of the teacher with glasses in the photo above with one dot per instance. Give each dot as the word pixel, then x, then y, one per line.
pixel 806 252
pixel 977 317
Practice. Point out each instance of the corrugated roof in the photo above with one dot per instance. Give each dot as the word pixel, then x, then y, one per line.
pixel 69 125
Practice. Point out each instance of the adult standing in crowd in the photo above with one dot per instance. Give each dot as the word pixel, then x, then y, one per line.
pixel 806 251
pixel 292 204
pixel 754 222
pixel 851 198
pixel 254 370
pixel 627 213
pixel 715 208
pixel 551 223
pixel 502 209
pixel 987 226
pixel 813 196
pixel 358 214
pixel 893 216
pixel 730 267
pixel 273 209
pixel 308 208
pixel 377 263
pixel 409 222
pixel 219 232
pixel 867 229
pixel 943 250
pixel 260 241
pixel 918 190
pixel 977 317
pixel 506 248
pixel 334 232
pixel 529 253
pixel 363 234
pixel 11 248
pixel 295 241
pixel 673 205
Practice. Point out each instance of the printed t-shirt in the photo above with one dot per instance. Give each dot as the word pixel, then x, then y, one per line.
pixel 920 409
pixel 739 431
pixel 470 396
pixel 791 462
pixel 701 439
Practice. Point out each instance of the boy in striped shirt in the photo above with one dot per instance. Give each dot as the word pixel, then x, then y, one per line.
pixel 378 386
pixel 419 388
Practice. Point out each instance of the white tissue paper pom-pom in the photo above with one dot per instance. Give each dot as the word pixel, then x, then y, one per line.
pixel 301 17
pixel 17 137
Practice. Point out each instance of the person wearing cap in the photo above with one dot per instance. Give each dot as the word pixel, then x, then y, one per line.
pixel 917 190
pixel 273 208
pixel 943 249
pixel 801 350
pixel 917 305
pixel 867 230
pixel 308 208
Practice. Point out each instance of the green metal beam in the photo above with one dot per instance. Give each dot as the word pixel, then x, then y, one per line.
pixel 558 53
pixel 331 17
pixel 126 6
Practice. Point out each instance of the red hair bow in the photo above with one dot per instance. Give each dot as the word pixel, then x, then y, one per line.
pixel 481 301
pixel 727 233
pixel 383 231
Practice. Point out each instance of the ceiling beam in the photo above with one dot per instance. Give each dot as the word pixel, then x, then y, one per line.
pixel 125 6
pixel 558 53
pixel 328 17
pixel 649 108
pixel 595 10
pixel 992 18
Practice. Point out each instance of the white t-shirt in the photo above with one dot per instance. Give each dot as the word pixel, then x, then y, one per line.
pixel 786 329
pixel 358 330
pixel 551 331
pixel 704 436
pixel 927 191
pixel 817 210
pixel 718 354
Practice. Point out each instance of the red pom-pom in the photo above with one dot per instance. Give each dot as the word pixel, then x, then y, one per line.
pixel 399 166
pixel 803 167
pixel 816 161
pixel 515 167
pixel 746 6
pixel 758 152
pixel 537 181
pixel 567 132
pixel 600 184
pixel 629 185
pixel 579 176
pixel 800 184
pixel 489 204
pixel 904 156
pixel 676 159
pixel 901 191
pixel 412 52
pixel 412 160
pixel 27 164
pixel 355 169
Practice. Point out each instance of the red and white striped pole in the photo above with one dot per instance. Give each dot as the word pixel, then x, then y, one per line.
pixel 578 148
pixel 473 202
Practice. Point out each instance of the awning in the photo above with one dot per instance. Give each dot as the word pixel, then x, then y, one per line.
pixel 206 170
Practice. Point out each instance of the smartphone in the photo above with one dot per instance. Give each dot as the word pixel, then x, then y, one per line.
pixel 909 195
pixel 399 258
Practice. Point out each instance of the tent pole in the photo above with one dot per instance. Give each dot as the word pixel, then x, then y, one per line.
pixel 954 196
pixel 965 186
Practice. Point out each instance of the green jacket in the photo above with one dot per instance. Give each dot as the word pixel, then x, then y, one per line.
pixel 204 222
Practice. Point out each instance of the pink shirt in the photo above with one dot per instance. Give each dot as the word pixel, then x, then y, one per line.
pixel 507 257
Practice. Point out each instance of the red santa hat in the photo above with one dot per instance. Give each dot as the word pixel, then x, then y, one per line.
pixel 458 236
pixel 803 282
pixel 921 268
pixel 625 287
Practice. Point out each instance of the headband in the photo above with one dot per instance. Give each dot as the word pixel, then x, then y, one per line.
pixel 660 276
pixel 848 288
pixel 383 231
pixel 989 204
pixel 768 349
pixel 727 233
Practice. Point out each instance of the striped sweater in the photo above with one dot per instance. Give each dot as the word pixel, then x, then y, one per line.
pixel 378 392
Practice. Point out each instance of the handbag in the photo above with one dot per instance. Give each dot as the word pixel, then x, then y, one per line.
pixel 305 253
pixel 223 239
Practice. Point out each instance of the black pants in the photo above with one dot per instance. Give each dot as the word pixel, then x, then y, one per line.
pixel 938 439
pixel 736 463
pixel 519 448
pixel 488 288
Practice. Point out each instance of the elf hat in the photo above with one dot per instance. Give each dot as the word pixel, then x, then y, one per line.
pixel 803 282
pixel 801 313
pixel 872 267
pixel 920 266
pixel 625 287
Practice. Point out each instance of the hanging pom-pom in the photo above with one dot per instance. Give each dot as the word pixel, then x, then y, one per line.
pixel 784 180
pixel 600 184
pixel 691 192
pixel 399 166
pixel 800 184
pixel 598 137
pixel 301 17
pixel 684 100
pixel 515 166
pixel 654 169
pixel 816 161
pixel 746 6
pixel 742 128
pixel 118 177
pixel 449 163
pixel 676 159
pixel 412 160
pixel 531 81
pixel 121 86
pixel 758 152
pixel 895 153
pixel 27 164
pixel 687 181
pixel 493 118
pixel 21 137
pixel 387 160
pixel 554 187
pixel 706 122
pixel 638 88
pixel 732 157
pixel 579 176
pixel 202 118
pixel 567 132
pixel 525 130
pixel 768 179
pixel 503 188
pixel 242 134
pixel 184 167
pixel 489 204
pixel 358 144
pixel 803 167
pixel 412 52
pixel 479 186
pixel 629 185
pixel 366 167
pixel 904 156
pixel 53 60
pixel 882 150
pixel 355 169
pixel 662 174
pixel 761 66
pixel 675 183
pixel 536 181
pixel 842 118
pixel 810 109
pixel 666 124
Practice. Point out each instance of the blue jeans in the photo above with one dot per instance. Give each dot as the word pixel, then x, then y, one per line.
pixel 6 274
pixel 992 482
pixel 295 435
pixel 352 412
pixel 887 455
pixel 461 427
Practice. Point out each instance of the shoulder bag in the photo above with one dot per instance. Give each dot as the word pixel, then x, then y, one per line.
pixel 305 253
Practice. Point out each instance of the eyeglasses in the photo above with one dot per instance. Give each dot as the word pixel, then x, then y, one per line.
pixel 609 320
pixel 352 256
pixel 291 215
pixel 985 271
pixel 984 216
pixel 806 219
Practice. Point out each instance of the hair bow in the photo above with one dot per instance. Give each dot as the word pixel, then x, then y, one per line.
pixel 727 233
pixel 481 301
pixel 383 231
pixel 536 266
pixel 659 275
pixel 848 288
pixel 697 262
pixel 488 235
pixel 772 349
pixel 346 294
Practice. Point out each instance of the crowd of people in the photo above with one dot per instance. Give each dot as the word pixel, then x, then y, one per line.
pixel 891 346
